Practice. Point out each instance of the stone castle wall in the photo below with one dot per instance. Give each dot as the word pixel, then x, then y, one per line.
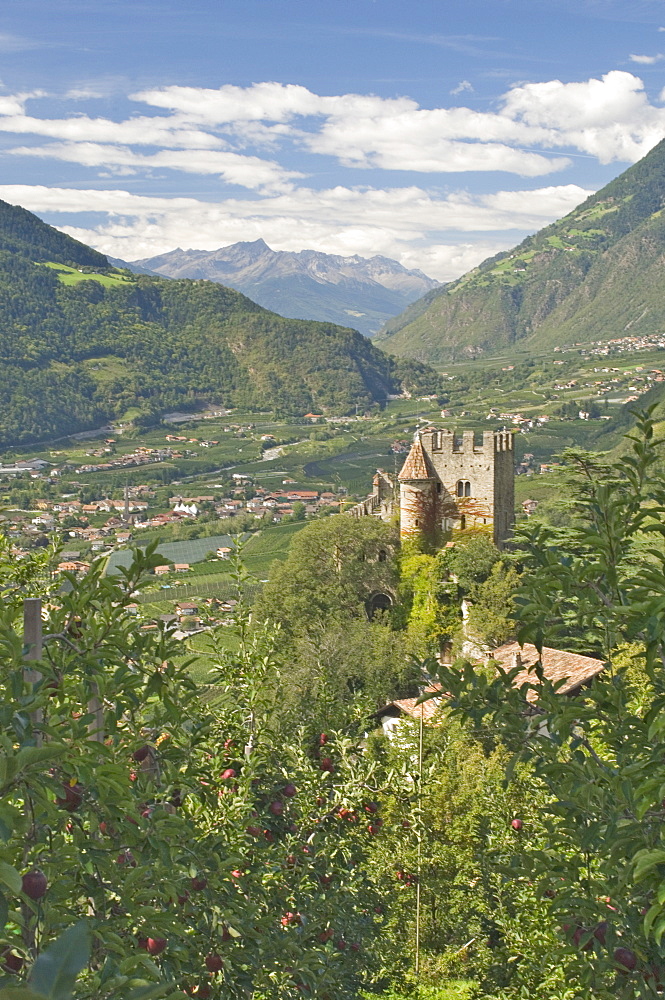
pixel 470 483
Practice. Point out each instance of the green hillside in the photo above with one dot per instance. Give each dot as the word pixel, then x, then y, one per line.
pixel 81 342
pixel 594 275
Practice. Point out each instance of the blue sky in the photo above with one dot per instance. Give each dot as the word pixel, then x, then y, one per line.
pixel 436 132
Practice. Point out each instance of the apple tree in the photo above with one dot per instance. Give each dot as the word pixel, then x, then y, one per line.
pixel 588 864
pixel 209 853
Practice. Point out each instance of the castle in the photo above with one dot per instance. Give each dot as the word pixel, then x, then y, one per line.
pixel 449 482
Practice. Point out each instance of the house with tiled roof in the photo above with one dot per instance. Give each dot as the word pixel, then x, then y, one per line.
pixel 573 671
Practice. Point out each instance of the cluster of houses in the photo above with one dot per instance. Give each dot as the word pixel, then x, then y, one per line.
pixel 622 345
pixel 140 456
pixel 188 616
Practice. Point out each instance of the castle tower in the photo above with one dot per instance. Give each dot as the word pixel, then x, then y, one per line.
pixel 450 482
pixel 419 491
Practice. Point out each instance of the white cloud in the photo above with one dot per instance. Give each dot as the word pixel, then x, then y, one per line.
pixel 405 223
pixel 83 94
pixel 461 87
pixel 646 60
pixel 139 131
pixel 247 171
pixel 16 43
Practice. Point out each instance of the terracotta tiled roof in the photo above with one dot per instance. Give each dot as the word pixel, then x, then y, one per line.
pixel 417 465
pixel 558 665
pixel 408 706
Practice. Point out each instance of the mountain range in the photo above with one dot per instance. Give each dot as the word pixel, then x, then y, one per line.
pixel 82 342
pixel 595 275
pixel 351 291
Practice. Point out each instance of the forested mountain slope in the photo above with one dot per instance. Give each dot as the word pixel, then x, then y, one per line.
pixel 76 349
pixel 597 274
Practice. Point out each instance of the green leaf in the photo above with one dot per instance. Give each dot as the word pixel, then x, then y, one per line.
pixel 36 755
pixel 54 973
pixel 19 993
pixel 10 877
pixel 154 992
pixel 646 860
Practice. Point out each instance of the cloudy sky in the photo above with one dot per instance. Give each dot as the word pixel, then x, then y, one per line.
pixel 436 132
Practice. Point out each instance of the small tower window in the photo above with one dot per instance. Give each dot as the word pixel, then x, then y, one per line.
pixel 438 488
pixel 462 522
pixel 383 555
pixel 463 488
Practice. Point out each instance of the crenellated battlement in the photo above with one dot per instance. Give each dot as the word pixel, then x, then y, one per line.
pixel 446 442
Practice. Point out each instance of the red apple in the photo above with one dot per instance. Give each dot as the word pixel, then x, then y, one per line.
pixel 72 798
pixel 372 829
pixel 582 934
pixel 516 824
pixel 326 935
pixel 11 962
pixel 341 944
pixel 34 884
pixel 142 752
pixel 600 931
pixel 203 990
pixel 371 807
pixel 155 946
pixel 625 958
pixel 226 935
pixel 199 883
pixel 289 790
pixel 326 764
pixel 253 831
pixel 126 858
pixel 228 773
pixel 276 808
pixel 214 962
pixel 355 946
pixel 269 836
pixel 323 739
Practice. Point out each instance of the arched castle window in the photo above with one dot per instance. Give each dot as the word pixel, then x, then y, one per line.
pixel 383 555
pixel 462 522
pixel 463 488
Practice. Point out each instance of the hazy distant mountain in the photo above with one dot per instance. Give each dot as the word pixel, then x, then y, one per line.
pixel 136 268
pixel 352 291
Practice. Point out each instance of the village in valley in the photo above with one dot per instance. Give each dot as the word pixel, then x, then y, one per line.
pixel 201 482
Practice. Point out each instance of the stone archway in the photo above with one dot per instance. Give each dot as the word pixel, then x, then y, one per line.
pixel 378 603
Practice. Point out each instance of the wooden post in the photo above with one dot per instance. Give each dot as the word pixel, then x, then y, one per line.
pixel 420 837
pixel 32 639
pixel 95 708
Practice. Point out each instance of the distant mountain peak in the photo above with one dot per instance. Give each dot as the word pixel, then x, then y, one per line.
pixel 304 284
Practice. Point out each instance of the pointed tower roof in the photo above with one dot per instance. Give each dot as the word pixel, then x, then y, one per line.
pixel 417 465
